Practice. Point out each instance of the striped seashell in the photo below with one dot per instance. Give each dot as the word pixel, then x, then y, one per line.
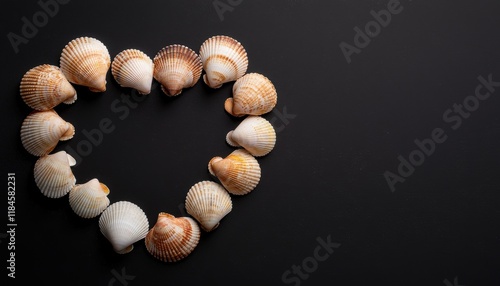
pixel 90 199
pixel 255 134
pixel 53 174
pixel 134 69
pixel 253 94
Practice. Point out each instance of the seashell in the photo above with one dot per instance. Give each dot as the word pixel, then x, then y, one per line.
pixel 42 130
pixel 133 68
pixel 224 60
pixel 90 199
pixel 45 86
pixel 177 67
pixel 208 202
pixel 172 239
pixel 85 61
pixel 255 134
pixel 53 174
pixel 253 94
pixel 123 223
pixel 239 172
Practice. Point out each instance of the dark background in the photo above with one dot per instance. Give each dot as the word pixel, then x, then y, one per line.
pixel 325 177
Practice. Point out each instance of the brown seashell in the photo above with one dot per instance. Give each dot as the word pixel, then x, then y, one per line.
pixel 133 68
pixel 253 94
pixel 90 199
pixel 53 174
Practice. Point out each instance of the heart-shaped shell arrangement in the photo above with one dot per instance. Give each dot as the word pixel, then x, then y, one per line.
pixel 85 61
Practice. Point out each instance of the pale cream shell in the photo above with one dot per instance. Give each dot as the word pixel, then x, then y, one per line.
pixel 85 61
pixel 134 69
pixel 208 202
pixel 90 199
pixel 44 87
pixel 172 239
pixel 253 94
pixel 255 134
pixel 42 130
pixel 123 223
pixel 53 174
pixel 224 60
pixel 177 67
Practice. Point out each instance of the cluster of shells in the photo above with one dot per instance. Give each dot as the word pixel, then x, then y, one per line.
pixel 85 61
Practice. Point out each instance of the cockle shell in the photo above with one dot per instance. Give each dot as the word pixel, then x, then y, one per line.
pixel 53 174
pixel 90 199
pixel 253 94
pixel 239 172
pixel 133 68
pixel 85 61
pixel 177 67
pixel 45 86
pixel 42 130
pixel 255 134
pixel 123 223
pixel 172 239
pixel 208 202
pixel 224 60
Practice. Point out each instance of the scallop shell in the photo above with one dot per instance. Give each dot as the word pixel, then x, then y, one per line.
pixel 177 67
pixel 224 60
pixel 208 202
pixel 123 223
pixel 90 199
pixel 133 68
pixel 172 239
pixel 42 130
pixel 85 61
pixel 53 174
pixel 239 172
pixel 253 94
pixel 255 134
pixel 45 86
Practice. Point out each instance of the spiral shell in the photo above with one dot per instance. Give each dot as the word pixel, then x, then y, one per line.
pixel 253 94
pixel 172 239
pixel 45 86
pixel 255 134
pixel 90 199
pixel 239 172
pixel 177 67
pixel 42 130
pixel 133 68
pixel 85 61
pixel 53 174
pixel 208 202
pixel 224 60
pixel 123 223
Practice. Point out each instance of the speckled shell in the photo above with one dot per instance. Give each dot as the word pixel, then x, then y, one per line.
pixel 45 86
pixel 172 239
pixel 224 60
pixel 239 172
pixel 177 67
pixel 42 130
pixel 134 69
pixel 253 94
pixel 53 174
pixel 85 61
pixel 90 199
pixel 123 223
pixel 255 134
pixel 208 202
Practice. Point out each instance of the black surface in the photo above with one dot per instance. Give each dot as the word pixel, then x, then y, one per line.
pixel 325 178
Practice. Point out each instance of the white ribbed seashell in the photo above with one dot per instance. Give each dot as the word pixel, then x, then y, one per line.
pixel 53 174
pixel 224 60
pixel 90 199
pixel 239 172
pixel 255 134
pixel 123 223
pixel 208 202
pixel 133 68
pixel 45 86
pixel 253 94
pixel 85 61
pixel 42 130
pixel 177 67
